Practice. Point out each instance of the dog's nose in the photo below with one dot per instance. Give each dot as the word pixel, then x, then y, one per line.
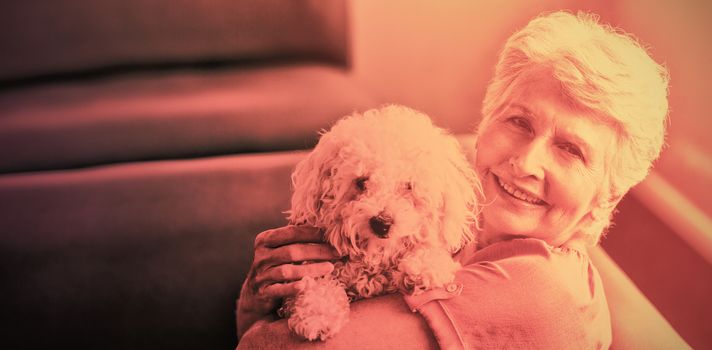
pixel 380 225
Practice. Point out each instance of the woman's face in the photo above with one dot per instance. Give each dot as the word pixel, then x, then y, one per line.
pixel 543 165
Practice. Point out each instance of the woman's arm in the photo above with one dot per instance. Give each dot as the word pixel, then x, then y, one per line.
pixel 379 323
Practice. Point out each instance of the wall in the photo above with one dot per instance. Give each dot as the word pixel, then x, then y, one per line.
pixel 438 58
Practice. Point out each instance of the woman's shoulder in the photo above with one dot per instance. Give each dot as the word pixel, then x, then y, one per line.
pixel 526 256
pixel 531 248
pixel 523 291
pixel 528 265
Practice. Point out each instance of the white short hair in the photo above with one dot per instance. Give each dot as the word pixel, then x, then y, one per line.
pixel 600 69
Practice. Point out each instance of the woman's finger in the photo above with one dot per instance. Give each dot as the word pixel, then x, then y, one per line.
pixel 290 272
pixel 288 235
pixel 282 290
pixel 294 253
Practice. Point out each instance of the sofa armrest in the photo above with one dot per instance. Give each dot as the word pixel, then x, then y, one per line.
pixel 635 321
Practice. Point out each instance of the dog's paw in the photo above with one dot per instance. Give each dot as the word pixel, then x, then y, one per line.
pixel 320 310
pixel 426 269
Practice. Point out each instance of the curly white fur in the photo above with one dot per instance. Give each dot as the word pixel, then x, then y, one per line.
pixel 396 197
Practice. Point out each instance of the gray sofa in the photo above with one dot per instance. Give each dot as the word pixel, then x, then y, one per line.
pixel 144 144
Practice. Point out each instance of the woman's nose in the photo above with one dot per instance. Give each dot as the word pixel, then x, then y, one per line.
pixel 530 161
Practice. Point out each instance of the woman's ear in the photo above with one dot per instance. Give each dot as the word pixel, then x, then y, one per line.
pixel 605 205
pixel 599 218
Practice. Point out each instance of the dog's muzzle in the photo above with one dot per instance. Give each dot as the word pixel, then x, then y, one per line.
pixel 380 225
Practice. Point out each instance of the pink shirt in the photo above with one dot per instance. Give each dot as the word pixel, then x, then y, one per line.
pixel 518 294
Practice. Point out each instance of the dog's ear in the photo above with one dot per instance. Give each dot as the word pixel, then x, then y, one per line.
pixel 312 183
pixel 461 198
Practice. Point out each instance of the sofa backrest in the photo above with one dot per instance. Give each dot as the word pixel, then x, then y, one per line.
pixel 42 39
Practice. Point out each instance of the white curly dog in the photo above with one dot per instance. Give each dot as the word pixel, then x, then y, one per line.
pixel 396 197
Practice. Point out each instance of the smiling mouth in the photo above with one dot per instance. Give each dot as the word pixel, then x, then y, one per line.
pixel 516 193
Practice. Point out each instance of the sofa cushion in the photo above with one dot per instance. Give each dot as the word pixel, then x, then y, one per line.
pixel 45 38
pixel 135 256
pixel 172 115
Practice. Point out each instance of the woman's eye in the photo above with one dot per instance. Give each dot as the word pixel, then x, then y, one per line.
pixel 360 183
pixel 521 123
pixel 572 149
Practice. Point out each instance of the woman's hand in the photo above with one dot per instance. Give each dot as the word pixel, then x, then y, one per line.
pixel 276 270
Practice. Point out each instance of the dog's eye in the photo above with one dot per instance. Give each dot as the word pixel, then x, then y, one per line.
pixel 360 183
pixel 408 186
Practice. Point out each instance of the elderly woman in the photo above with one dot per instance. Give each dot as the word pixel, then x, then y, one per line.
pixel 574 117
